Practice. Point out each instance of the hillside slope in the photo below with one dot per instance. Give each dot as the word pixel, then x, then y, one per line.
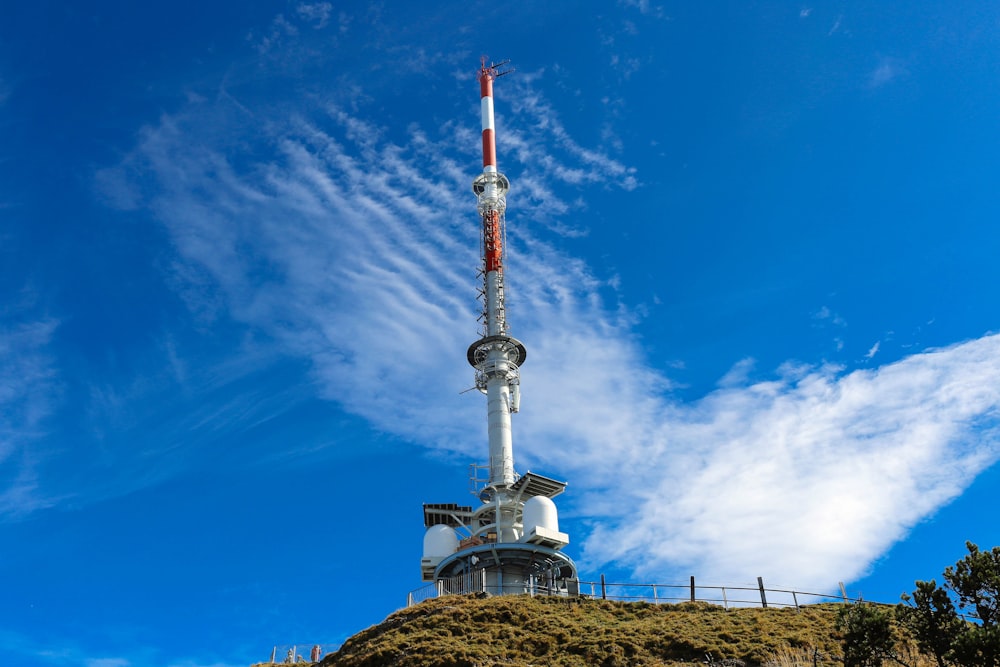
pixel 469 631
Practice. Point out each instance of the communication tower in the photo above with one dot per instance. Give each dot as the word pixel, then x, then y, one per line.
pixel 511 542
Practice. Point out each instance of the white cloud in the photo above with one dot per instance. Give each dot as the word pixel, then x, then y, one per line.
pixel 27 397
pixel 887 70
pixel 873 350
pixel 316 12
pixel 836 25
pixel 561 157
pixel 37 651
pixel 107 662
pixel 738 374
pixel 358 253
pixel 824 314
pixel 645 8
pixel 807 478
pixel 277 32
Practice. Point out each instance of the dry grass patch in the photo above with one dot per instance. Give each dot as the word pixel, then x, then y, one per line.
pixel 468 631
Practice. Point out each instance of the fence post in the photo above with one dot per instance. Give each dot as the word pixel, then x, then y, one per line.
pixel 604 590
pixel 692 588
pixel 440 587
pixel 843 591
pixel 409 602
pixel 795 599
pixel 654 593
pixel 763 598
pixel 725 601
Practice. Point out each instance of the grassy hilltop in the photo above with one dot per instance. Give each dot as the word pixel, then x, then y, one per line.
pixel 470 631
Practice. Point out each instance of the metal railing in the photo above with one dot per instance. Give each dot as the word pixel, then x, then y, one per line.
pixel 725 596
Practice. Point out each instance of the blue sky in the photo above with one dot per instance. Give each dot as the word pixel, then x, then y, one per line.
pixel 752 256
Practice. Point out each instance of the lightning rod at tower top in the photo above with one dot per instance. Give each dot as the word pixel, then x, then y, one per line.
pixel 510 543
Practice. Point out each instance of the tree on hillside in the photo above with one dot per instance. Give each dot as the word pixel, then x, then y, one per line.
pixel 976 581
pixel 932 618
pixel 936 620
pixel 867 635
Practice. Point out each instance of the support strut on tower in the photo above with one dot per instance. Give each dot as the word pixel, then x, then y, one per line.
pixel 511 543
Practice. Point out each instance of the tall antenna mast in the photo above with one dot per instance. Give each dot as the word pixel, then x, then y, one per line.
pixel 511 543
pixel 496 356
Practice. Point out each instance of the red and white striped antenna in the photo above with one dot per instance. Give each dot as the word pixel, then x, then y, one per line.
pixel 488 74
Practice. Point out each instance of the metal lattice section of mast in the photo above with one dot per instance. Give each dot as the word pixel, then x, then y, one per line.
pixel 490 189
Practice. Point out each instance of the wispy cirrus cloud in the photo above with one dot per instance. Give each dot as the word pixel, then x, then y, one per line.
pixel 28 395
pixel 108 662
pixel 887 70
pixel 836 25
pixel 317 13
pixel 824 314
pixel 37 651
pixel 578 164
pixel 280 30
pixel 356 252
pixel 645 8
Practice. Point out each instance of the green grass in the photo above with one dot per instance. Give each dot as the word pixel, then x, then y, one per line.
pixel 470 631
